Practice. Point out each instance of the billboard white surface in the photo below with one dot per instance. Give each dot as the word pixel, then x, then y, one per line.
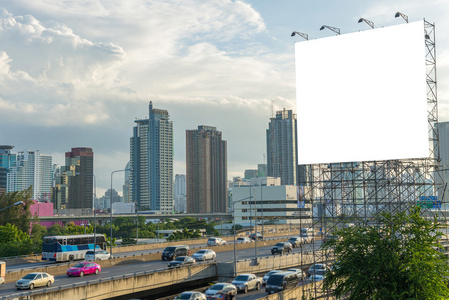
pixel 362 96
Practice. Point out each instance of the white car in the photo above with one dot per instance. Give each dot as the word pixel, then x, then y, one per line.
pixel 265 278
pixel 221 288
pixel 191 296
pixel 298 272
pixel 316 277
pixel 204 254
pixel 99 255
pixel 242 240
pixel 215 241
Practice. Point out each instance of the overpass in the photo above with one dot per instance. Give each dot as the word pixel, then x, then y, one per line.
pixel 149 284
pixel 103 217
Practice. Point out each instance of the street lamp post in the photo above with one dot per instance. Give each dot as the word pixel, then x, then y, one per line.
pixel 110 237
pixel 15 204
pixel 233 223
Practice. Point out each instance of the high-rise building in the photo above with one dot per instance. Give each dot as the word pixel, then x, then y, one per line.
pixel 126 185
pixel 151 162
pixel 262 170
pixel 180 197
pixel 282 149
pixel 31 168
pixel 7 160
pixel 79 169
pixel 442 177
pixel 206 154
pixel 251 174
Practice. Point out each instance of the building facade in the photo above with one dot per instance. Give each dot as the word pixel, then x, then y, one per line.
pixel 151 162
pixel 79 170
pixel 269 202
pixel 206 159
pixel 7 160
pixel 31 168
pixel 180 193
pixel 282 148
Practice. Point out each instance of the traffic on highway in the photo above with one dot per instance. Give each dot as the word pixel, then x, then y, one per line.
pixel 195 255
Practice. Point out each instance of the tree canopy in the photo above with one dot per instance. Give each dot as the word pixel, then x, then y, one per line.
pixel 398 258
pixel 19 215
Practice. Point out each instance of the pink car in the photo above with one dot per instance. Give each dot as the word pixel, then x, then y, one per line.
pixel 84 268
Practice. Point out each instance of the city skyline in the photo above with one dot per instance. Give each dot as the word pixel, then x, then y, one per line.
pixel 78 74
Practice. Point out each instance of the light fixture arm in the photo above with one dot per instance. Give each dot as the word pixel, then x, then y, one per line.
pixel 334 29
pixel 398 14
pixel 303 35
pixel 371 24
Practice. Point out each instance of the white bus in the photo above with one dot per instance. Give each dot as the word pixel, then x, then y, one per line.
pixel 70 247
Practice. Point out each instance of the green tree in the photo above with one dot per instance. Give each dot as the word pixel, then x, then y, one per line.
pixel 17 215
pixel 397 259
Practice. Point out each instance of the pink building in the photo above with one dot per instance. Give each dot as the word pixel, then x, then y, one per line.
pixel 42 209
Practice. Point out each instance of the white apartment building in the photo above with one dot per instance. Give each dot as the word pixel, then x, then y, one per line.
pixel 266 199
pixel 31 168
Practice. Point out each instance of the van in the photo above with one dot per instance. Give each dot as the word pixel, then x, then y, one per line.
pixel 171 252
pixel 281 281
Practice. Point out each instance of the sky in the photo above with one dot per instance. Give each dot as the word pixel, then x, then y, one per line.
pixel 78 73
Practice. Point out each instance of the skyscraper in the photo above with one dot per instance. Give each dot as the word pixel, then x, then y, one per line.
pixel 31 169
pixel 282 149
pixel 180 197
pixel 206 170
pixel 7 160
pixel 151 162
pixel 80 181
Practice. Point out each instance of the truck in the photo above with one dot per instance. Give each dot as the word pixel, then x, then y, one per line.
pixel 246 282
pixel 2 272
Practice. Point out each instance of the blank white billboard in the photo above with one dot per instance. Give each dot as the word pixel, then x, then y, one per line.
pixel 362 96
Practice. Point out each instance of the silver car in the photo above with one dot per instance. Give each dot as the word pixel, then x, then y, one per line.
pixel 204 254
pixel 191 296
pixel 99 255
pixel 220 288
pixel 32 280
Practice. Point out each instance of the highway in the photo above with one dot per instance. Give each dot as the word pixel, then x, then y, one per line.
pixel 8 290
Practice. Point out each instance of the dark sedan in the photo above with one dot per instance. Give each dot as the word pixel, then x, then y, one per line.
pixel 181 261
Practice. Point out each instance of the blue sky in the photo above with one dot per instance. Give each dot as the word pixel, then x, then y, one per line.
pixel 77 73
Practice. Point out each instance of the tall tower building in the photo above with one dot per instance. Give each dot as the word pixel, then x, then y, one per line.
pixel 79 170
pixel 7 160
pixel 151 162
pixel 443 178
pixel 206 170
pixel 31 168
pixel 282 149
pixel 180 194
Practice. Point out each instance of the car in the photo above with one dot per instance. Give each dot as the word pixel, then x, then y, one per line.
pixel 204 254
pixel 296 241
pixel 298 272
pixel 281 248
pixel 99 255
pixel 221 288
pixel 316 277
pixel 317 269
pixel 171 252
pixel 265 278
pixel 281 281
pixel 255 236
pixel 242 240
pixel 84 268
pixel 32 280
pixel 215 241
pixel 191 296
pixel 181 261
pixel 246 282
